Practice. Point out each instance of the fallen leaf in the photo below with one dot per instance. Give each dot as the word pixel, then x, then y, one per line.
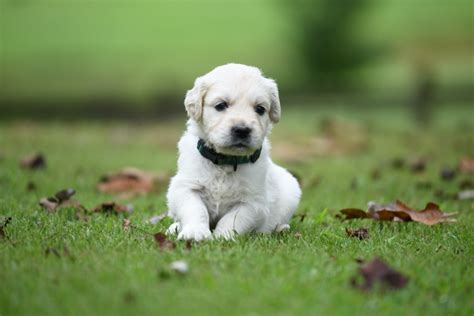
pixel 354 213
pixel 30 186
pixel 64 195
pixel 163 242
pixel 466 184
pixel 466 165
pixel 375 174
pixel 361 233
pixel 447 174
pixel 60 200
pixel 188 245
pixel 32 162
pixel 398 163
pixel 132 181
pixel 418 166
pixel 157 218
pixel 111 207
pixel 378 272
pixel 399 211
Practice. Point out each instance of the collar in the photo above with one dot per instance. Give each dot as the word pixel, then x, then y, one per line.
pixel 221 159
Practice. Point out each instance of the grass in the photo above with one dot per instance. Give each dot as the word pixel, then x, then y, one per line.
pixel 112 272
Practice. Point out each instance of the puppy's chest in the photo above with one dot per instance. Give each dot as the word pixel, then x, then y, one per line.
pixel 223 190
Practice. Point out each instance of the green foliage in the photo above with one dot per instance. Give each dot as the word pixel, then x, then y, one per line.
pixel 329 44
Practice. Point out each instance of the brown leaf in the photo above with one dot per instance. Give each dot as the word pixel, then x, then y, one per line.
pixel 354 213
pixel 361 233
pixel 466 184
pixel 418 166
pixel 30 186
pixel 399 211
pixel 132 181
pixel 189 245
pixel 49 204
pixel 447 174
pixel 378 272
pixel 64 195
pixel 59 200
pixel 430 215
pixel 111 207
pixel 466 165
pixel 32 162
pixel 398 163
pixel 163 242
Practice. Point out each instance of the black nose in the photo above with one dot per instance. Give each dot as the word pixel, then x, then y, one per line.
pixel 241 132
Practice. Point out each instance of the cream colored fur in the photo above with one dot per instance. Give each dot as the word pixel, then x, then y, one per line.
pixel 258 197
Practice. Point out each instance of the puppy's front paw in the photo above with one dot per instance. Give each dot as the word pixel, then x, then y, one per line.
pixel 225 234
pixel 173 229
pixel 195 232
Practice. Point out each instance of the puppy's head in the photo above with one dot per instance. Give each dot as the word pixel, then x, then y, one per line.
pixel 235 107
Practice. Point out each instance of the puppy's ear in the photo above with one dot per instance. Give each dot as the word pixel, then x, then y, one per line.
pixel 275 108
pixel 195 98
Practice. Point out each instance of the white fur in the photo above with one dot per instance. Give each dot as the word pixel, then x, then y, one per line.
pixel 260 196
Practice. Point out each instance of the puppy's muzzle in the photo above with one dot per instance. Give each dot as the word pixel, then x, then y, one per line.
pixel 240 132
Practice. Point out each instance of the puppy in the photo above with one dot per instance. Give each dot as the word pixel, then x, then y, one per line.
pixel 226 180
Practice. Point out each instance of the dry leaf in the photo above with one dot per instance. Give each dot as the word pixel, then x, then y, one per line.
pixel 354 213
pixel 466 165
pixel 32 162
pixel 188 245
pixel 398 211
pixel 378 272
pixel 447 174
pixel 398 163
pixel 418 166
pixel 132 181
pixel 111 207
pixel 361 233
pixel 30 186
pixel 59 200
pixel 163 242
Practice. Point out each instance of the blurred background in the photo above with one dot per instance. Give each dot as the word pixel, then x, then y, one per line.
pixel 119 58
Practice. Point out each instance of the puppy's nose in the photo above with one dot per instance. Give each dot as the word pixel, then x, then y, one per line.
pixel 241 132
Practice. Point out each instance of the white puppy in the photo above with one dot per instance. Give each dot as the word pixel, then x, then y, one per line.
pixel 226 179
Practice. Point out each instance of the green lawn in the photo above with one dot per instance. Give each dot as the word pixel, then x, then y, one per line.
pixel 112 272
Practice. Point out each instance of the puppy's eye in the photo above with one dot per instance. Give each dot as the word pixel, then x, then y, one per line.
pixel 221 106
pixel 260 110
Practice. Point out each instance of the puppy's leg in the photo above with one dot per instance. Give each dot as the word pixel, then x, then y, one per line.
pixel 242 219
pixel 191 214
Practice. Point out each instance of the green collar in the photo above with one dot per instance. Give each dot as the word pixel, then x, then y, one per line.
pixel 221 159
